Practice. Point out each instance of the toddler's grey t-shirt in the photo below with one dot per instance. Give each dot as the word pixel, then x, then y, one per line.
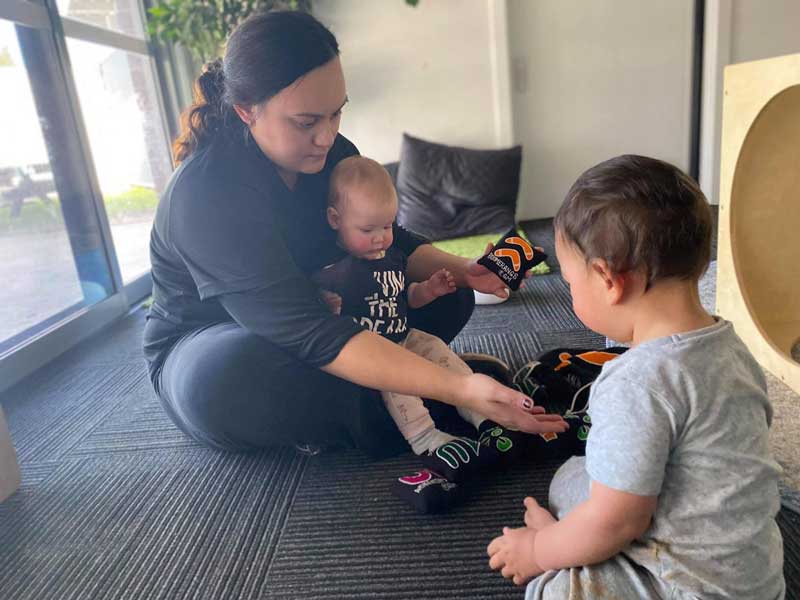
pixel 686 418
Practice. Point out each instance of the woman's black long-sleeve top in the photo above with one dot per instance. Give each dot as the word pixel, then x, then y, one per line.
pixel 230 241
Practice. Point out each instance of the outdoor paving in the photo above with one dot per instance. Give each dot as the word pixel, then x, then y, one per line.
pixel 39 278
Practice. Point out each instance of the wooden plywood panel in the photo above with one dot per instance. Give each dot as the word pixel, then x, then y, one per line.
pixel 758 277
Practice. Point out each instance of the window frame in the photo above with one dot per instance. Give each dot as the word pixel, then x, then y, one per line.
pixel 54 339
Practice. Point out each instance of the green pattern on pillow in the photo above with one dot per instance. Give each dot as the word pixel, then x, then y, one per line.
pixel 473 246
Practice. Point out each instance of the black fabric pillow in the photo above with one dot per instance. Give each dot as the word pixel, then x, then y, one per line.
pixel 447 191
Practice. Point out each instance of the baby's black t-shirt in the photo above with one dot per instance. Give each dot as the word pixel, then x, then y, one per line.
pixel 373 292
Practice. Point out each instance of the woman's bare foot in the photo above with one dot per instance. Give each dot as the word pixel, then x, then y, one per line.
pixel 537 517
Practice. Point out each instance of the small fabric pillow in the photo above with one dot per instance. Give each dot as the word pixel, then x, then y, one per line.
pixel 511 258
pixel 446 191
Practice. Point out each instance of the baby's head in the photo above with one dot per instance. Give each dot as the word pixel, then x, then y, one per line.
pixel 362 205
pixel 628 225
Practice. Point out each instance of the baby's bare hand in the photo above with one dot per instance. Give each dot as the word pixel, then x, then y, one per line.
pixel 442 283
pixel 334 301
pixel 514 555
pixel 536 517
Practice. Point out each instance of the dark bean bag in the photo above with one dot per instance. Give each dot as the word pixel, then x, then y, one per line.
pixel 447 192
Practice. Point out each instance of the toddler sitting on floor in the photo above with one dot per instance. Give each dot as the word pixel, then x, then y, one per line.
pixel 677 494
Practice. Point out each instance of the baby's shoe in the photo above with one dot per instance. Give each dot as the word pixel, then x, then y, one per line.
pixel 459 460
pixel 506 444
pixel 463 458
pixel 427 491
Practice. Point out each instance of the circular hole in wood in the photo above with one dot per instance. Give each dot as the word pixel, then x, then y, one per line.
pixel 765 220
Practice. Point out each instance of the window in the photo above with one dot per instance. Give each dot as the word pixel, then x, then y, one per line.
pixel 116 84
pixel 53 261
pixel 123 16
pixel 84 156
pixel 119 102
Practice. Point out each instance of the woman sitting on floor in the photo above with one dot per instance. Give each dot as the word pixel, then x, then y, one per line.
pixel 241 351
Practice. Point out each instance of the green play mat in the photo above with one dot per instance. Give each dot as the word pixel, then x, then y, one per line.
pixel 473 246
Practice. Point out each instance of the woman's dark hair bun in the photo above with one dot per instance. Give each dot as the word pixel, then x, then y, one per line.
pixel 212 82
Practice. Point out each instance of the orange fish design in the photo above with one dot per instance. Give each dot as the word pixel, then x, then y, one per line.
pixel 594 357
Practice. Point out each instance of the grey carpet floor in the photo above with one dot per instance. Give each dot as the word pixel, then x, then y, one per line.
pixel 117 503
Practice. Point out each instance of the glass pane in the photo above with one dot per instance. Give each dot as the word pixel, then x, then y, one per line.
pixel 53 261
pixel 129 146
pixel 123 16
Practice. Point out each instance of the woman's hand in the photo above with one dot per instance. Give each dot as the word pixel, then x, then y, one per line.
pixel 483 280
pixel 372 361
pixel 507 407
pixel 514 555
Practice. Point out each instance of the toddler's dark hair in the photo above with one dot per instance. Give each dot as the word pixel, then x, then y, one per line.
pixel 639 213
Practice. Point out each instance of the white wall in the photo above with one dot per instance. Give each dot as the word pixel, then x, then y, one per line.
pixel 593 80
pixel 764 28
pixel 738 31
pixel 590 79
pixel 430 71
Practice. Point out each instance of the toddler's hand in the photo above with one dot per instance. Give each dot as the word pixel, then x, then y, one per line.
pixel 334 301
pixel 442 283
pixel 536 517
pixel 513 554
